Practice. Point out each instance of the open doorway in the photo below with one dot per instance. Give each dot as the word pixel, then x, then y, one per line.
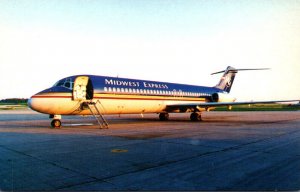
pixel 83 89
pixel 89 90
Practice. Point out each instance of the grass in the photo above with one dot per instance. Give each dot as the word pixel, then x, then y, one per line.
pixel 260 107
pixel 12 106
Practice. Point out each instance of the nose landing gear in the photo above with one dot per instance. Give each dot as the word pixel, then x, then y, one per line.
pixel 55 123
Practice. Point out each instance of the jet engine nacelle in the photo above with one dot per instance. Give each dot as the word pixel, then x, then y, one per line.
pixel 222 97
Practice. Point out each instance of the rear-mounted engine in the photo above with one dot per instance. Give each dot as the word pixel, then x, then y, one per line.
pixel 222 97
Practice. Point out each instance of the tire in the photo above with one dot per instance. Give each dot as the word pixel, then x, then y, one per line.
pixel 196 117
pixel 164 116
pixel 56 123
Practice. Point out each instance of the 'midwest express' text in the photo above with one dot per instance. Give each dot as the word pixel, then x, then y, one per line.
pixel 135 84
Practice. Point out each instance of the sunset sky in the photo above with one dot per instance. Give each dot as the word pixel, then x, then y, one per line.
pixel 184 41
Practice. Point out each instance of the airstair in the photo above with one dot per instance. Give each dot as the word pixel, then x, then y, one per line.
pixel 92 106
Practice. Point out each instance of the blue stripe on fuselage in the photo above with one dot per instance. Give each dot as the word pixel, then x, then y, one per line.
pixel 99 82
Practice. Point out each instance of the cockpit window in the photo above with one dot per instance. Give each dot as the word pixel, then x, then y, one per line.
pixel 67 83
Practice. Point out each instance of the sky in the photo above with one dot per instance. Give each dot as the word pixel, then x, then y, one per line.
pixel 179 41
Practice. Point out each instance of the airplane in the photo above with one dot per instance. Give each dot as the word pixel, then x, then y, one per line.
pixel 103 95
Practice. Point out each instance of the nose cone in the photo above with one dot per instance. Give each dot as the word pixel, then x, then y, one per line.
pixel 35 104
pixel 54 100
pixel 29 103
pixel 32 104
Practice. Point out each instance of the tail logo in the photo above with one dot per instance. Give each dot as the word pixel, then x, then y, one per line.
pixel 225 80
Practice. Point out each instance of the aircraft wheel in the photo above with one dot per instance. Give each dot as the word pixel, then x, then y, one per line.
pixel 56 123
pixel 196 117
pixel 164 116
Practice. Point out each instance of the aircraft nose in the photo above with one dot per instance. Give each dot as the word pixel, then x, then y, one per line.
pixel 29 103
pixel 34 104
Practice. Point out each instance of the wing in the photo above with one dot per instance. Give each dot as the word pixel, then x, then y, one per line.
pixel 197 106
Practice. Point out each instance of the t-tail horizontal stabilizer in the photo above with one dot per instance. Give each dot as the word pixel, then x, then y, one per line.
pixel 228 77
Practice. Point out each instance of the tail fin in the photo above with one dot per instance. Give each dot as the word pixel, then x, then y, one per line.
pixel 228 77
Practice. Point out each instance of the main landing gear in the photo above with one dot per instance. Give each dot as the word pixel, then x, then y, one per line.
pixel 164 116
pixel 195 116
pixel 55 123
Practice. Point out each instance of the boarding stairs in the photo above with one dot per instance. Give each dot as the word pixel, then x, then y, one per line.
pixel 92 106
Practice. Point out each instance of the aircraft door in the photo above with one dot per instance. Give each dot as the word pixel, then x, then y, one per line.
pixel 82 89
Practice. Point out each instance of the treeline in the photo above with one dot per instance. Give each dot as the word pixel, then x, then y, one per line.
pixel 14 101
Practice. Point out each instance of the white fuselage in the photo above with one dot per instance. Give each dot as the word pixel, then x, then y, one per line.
pixel 63 104
pixel 118 96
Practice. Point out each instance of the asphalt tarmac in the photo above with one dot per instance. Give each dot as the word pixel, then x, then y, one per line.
pixel 227 151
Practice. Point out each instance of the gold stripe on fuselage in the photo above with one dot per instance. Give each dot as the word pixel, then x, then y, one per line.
pixel 146 97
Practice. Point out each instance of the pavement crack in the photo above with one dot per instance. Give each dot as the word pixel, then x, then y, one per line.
pixel 51 163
